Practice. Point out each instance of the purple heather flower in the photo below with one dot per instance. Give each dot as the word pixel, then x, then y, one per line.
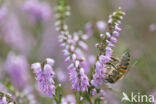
pixel 69 99
pixel 152 27
pixel 3 88
pixel 102 93
pixel 89 30
pixel 93 92
pixel 37 10
pixel 113 40
pixel 91 59
pixel 83 45
pixel 109 52
pixel 117 28
pixel 116 34
pixel 28 92
pixel 101 26
pixel 100 73
pixel 101 70
pixel 74 55
pixel 104 59
pixel 84 80
pixel 45 77
pixel 83 63
pixel 11 30
pixel 3 13
pixel 3 100
pixel 17 67
pixel 61 75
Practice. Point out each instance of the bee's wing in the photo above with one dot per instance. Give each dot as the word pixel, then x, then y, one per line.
pixel 132 65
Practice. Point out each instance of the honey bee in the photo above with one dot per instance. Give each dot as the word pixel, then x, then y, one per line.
pixel 117 72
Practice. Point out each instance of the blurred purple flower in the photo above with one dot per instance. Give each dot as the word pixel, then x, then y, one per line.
pixel 69 99
pixel 11 30
pixel 3 13
pixel 101 26
pixel 45 77
pixel 89 29
pixel 38 11
pixel 17 68
pixel 28 92
pixel 91 59
pixel 61 75
pixel 3 100
pixel 152 27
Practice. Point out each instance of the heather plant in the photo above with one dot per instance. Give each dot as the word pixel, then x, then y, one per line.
pixel 73 75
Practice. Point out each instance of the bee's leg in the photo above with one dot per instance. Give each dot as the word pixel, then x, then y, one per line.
pixel 110 64
pixel 115 59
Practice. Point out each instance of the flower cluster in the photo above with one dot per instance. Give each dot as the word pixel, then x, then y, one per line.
pixel 105 47
pixel 17 68
pixel 38 11
pixel 79 79
pixel 45 77
pixel 101 93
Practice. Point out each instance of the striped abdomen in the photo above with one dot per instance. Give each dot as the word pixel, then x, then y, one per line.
pixel 123 65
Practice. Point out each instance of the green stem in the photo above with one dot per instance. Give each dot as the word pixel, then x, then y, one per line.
pixel 57 101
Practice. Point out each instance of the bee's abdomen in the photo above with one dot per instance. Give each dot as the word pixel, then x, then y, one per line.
pixel 123 66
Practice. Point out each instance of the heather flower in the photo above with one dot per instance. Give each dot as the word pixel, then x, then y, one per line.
pixel 17 68
pixel 91 59
pixel 3 100
pixel 152 27
pixel 79 80
pixel 28 92
pixel 38 11
pixel 45 77
pixel 105 48
pixel 3 13
pixel 61 76
pixel 10 29
pixel 69 99
pixel 101 26
pixel 84 81
pixel 3 88
pixel 89 29
pixel 71 43
pixel 93 92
